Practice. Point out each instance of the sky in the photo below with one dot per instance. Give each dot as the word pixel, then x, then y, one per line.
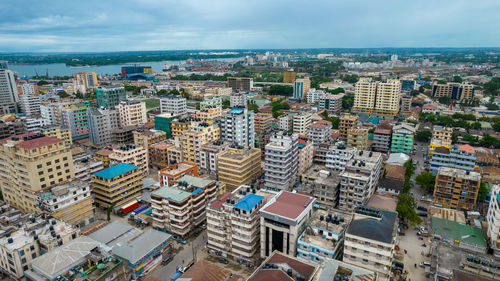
pixel 139 25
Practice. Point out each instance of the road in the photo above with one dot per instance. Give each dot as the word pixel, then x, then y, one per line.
pixel 164 272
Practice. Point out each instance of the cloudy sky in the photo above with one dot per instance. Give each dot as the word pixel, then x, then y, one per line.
pixel 121 25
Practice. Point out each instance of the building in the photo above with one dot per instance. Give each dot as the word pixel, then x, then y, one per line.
pixel 456 188
pixel 263 126
pixel 33 124
pixel 101 123
pixel 457 156
pixel 365 92
pixel 305 155
pixel 11 128
pixel 181 208
pixel 238 126
pixel 338 270
pixel 123 135
pixel 372 232
pixel 238 100
pixel 461 236
pixel 288 76
pixel 382 137
pixel 75 119
pixel 455 91
pixel 158 155
pixel 301 87
pixel 131 154
pixel 493 219
pixel 378 98
pixel 109 97
pixel 285 122
pixel 301 122
pixel 332 103
pixel 209 154
pixel 146 138
pixel 405 106
pixel 71 202
pixel 240 83
pixel 441 137
pixel 314 96
pixel 282 219
pixel 32 163
pixel 281 161
pixel 408 85
pixel 86 167
pixel 173 104
pixel 358 182
pixel 402 138
pixel 83 82
pixel 164 122
pixel 357 138
pixel 238 166
pixel 320 132
pixel 28 89
pixel 211 102
pixel 337 156
pixel 209 113
pixel 175 171
pixel 132 113
pixel 30 104
pixel 116 185
pixel 137 72
pixel 325 186
pixel 347 121
pixel 9 97
pixel 197 135
pixel 279 267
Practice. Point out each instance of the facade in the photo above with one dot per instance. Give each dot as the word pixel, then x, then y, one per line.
pixel 263 126
pixel 332 103
pixel 319 132
pixel 116 185
pixel 314 96
pixel 173 104
pixel 164 122
pixel 305 155
pixel 75 119
pixel 240 83
pixel 285 122
pixel 405 106
pixel 86 167
pixel 146 138
pixel 9 97
pixel 378 98
pixel 84 81
pixel 456 188
pixel 408 85
pixel 132 113
pixel 209 113
pixel 365 92
pixel 281 161
pixel 131 154
pixel 358 182
pixel 57 132
pixel 29 89
pixel 457 156
pixel 209 155
pixel 441 137
pixel 301 122
pixel 123 135
pixel 337 156
pixel 372 232
pixel 101 123
pixel 288 76
pixel 238 126
pixel 30 104
pixel 402 138
pixel 30 164
pixel 238 166
pixel 13 128
pixel 158 155
pixel 347 121
pixel 175 171
pixel 238 100
pixel 493 219
pixel 301 87
pixel 357 138
pixel 455 91
pixel 109 97
pixel 196 136
pixel 211 102
pixel 382 137
pixel 282 220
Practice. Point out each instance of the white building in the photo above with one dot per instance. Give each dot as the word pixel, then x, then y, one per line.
pixel 285 122
pixel 301 122
pixel 238 126
pixel 493 219
pixel 101 123
pixel 9 96
pixel 332 103
pixel 28 89
pixel 47 113
pixel 313 96
pixel 319 132
pixel 30 104
pixel 132 113
pixel 174 104
pixel 338 155
pixel 33 124
pixel 238 100
pixel 281 164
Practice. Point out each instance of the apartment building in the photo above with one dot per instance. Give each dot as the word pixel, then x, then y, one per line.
pixel 132 113
pixel 178 126
pixel 84 81
pixel 11 128
pixel 405 106
pixel 240 83
pixel 359 180
pixel 158 155
pixel 332 103
pixel 197 135
pixel 288 76
pixel 86 167
pixel 31 163
pixel 146 138
pixel 457 156
pixel 238 166
pixel 493 219
pixel 285 122
pixel 320 132
pixel 101 124
pixel 131 154
pixel 71 202
pixel 305 155
pixel 123 136
pixel 314 96
pixel 181 208
pixel 281 161
pixel 9 97
pixel 402 138
pixel 370 240
pixel 209 155
pixel 455 91
pixel 209 113
pixel 325 187
pixel 301 122
pixel 323 238
pixel 173 104
pixel 238 100
pixel 365 92
pixel 30 104
pixel 441 137
pixel 116 185
pixel 57 132
pixel 233 225
pixel 263 126
pixel 456 188
pixel 282 219
pixel 301 87
pixel 75 119
pixel 357 138
pixel 382 137
pixel 109 97
pixel 338 155
pixel 378 98
pixel 347 121
pixel 33 124
pixel 28 89
pixel 175 171
pixel 211 102
pixel 163 122
pixel 238 126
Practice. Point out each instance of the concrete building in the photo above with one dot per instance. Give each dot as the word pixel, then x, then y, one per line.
pixel 75 119
pixel 382 137
pixel 285 122
pixel 493 219
pixel 281 161
pixel 441 137
pixel 211 102
pixel 282 220
pixel 405 106
pixel 123 135
pixel 320 132
pixel 325 187
pixel 175 171
pixel 305 155
pixel 146 138
pixel 357 138
pixel 9 97
pixel 372 232
pixel 301 87
pixel 240 83
pixel 378 98
pixel 332 103
pixel 314 96
pixel 11 128
pixel 86 167
pixel 365 92
pixel 238 166
pixel 116 185
pixel 408 85
pixel 164 121
pixel 279 267
pixel 209 155
pixel 359 180
pixel 158 155
pixel 173 104
pixel 238 126
pixel 131 154
pixel 28 89
pixel 101 123
pixel 347 121
pixel 402 138
pixel 238 100
pixel 83 82
pixel 288 76
pixel 30 104
pixel 338 155
pixel 456 188
pixel 30 164
pixel 132 113
pixel 209 113
pixel 197 135
pixel 335 270
pixel 263 126
pixel 301 122
pixel 455 91
pixel 33 124
pixel 57 132
pixel 109 97
pixel 457 156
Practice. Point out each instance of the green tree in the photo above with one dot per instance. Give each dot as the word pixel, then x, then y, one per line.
pixel 426 180
pixel 281 90
pixel 492 106
pixel 476 125
pixel 457 79
pixel 454 138
pixel 347 101
pixel 198 106
pixel 406 209
pixel 336 91
pixel 489 141
pixel 162 92
pixel 110 209
pixel 350 78
pixel 483 191
pixel 42 82
pixel 424 136
pixel 472 140
pixel 252 106
pixel 444 100
pixel 496 126
pixel 492 86
pixel 62 94
pixel 410 168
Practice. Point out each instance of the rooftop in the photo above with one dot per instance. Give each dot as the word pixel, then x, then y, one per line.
pixel 458 173
pixel 374 224
pixel 116 170
pixel 196 181
pixel 142 245
pixel 206 271
pixel 248 202
pixel 321 124
pixel 236 111
pixel 288 204
pixel 276 266
pixel 115 233
pixel 181 168
pixel 383 202
pixel 390 183
pixel 448 214
pixel 171 193
pixel 451 230
pixel 329 270
pixel 238 154
pixel 219 203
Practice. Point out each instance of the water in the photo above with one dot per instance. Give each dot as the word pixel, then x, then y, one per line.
pixel 60 69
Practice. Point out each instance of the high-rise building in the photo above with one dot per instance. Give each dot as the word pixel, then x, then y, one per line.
pixel 238 100
pixel 8 90
pixel 347 121
pixel 493 219
pixel 382 137
pixel 101 124
pixel 305 155
pixel 408 85
pixel 357 138
pixel 405 103
pixel 209 155
pixel 263 126
pixel 365 92
pixel 29 89
pixel 288 76
pixel 301 122
pixel 197 135
pixel 319 131
pixel 456 188
pixel 33 163
pixel 457 156
pixel 132 113
pixel 281 154
pixel 238 166
pixel 137 72
pixel 402 138
pixel 109 97
pixel 332 103
pixel 158 155
pixel 175 171
pixel 237 126
pixel 337 156
pixel 131 154
pixel 378 98
pixel 211 102
pixel 314 96
pixel 441 137
pixel 240 83
pixel 301 87
pixel 455 91
pixel 30 104
pixel 173 104
pixel 84 81
pixel 76 120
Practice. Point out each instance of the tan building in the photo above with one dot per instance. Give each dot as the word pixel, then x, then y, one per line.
pixel 84 81
pixel 103 156
pixel 179 126
pixel 306 153
pixel 378 98
pixel 236 167
pixel 58 132
pixel 301 123
pixel 132 113
pixel 357 138
pixel 131 154
pixel 196 136
pixel 209 113
pixel 240 83
pixel 456 188
pixel 365 92
pixel 263 125
pixel 30 163
pixel 288 76
pixel 455 91
pixel 347 121
pixel 146 138
pixel 158 154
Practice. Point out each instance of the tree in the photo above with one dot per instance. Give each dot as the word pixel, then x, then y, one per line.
pixel 198 106
pixel 492 86
pixel 457 79
pixel 253 106
pixel 444 100
pixel 42 82
pixel 454 138
pixel 476 125
pixel 62 94
pixel 406 209
pixel 492 106
pixel 410 168
pixel 226 103
pixel 281 90
pixel 426 180
pixel 347 101
pixel 472 140
pixel 110 209
pixel 350 78
pixel 483 191
pixel 336 91
pixel 489 141
pixel 424 136
pixel 496 126
pixel 161 92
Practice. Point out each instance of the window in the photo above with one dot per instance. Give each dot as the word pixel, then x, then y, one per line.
pixel 49 163
pixel 33 255
pixel 39 166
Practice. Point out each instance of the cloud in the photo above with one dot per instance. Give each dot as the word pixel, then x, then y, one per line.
pixel 112 25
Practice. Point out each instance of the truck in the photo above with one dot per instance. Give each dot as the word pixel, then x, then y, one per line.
pixel 127 208
pixel 138 210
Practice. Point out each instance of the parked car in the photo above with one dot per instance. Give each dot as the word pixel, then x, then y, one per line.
pixel 424 264
pixel 398 265
pixel 420 208
pixel 422 214
pixel 223 260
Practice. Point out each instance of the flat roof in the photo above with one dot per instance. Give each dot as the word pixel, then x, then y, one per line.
pixel 173 194
pixel 456 231
pixel 236 110
pixel 138 248
pixel 116 170
pixel 371 227
pixel 115 233
pixel 196 181
pixel 249 201
pixel 289 205
pixel 38 142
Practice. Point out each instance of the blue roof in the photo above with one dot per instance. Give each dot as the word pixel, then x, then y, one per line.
pixel 115 170
pixel 196 191
pixel 498 198
pixel 236 110
pixel 374 120
pixel 248 202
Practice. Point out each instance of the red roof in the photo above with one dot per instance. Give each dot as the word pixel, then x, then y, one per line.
pixel 430 106
pixel 303 268
pixel 20 137
pixel 467 148
pixel 289 205
pixel 218 203
pixel 381 131
pixel 321 124
pixel 38 142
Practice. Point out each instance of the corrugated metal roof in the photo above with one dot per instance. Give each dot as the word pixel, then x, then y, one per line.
pixel 116 170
